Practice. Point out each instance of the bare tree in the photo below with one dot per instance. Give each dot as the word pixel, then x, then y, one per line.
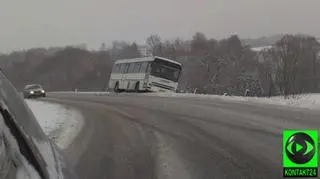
pixel 312 47
pixel 154 45
pixel 122 50
pixel 199 44
pixel 297 64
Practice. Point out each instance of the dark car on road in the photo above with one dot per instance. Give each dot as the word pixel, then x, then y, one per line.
pixel 25 150
pixel 33 91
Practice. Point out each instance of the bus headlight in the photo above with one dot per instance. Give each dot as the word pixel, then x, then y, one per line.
pixel 31 92
pixel 42 91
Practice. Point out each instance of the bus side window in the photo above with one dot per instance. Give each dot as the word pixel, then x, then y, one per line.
pixel 126 67
pixel 118 68
pixel 143 67
pixel 131 68
pixel 137 67
pixel 122 67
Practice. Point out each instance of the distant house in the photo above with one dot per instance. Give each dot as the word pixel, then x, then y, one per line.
pixel 261 52
pixel 79 46
pixel 144 51
pixel 262 48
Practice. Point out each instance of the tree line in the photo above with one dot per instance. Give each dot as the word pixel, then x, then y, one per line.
pixel 289 66
pixel 211 66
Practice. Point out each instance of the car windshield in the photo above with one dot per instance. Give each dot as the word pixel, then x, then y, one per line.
pixel 166 70
pixel 32 87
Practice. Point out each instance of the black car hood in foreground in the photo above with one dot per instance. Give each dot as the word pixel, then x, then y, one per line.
pixel 25 151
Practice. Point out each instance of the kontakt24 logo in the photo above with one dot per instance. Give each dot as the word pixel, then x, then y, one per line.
pixel 300 153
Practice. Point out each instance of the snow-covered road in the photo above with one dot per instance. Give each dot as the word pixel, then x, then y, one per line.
pixel 60 123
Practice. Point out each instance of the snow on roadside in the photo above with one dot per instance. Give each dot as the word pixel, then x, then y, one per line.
pixel 310 101
pixel 81 93
pixel 60 123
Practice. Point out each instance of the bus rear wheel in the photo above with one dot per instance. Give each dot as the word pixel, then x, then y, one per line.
pixel 136 88
pixel 116 88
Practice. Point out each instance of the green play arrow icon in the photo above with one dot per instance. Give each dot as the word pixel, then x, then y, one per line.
pixel 298 147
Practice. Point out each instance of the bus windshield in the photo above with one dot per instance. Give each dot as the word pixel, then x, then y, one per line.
pixel 166 70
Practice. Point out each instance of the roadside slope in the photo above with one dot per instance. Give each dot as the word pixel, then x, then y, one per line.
pixel 60 123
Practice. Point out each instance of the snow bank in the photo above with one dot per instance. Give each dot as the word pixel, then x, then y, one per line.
pixel 80 93
pixel 310 101
pixel 60 123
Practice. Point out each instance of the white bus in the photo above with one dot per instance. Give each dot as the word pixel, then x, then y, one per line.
pixel 155 74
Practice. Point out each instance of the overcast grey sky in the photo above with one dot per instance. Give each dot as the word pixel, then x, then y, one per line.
pixel 34 23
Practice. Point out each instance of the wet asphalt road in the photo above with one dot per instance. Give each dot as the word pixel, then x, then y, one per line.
pixel 131 136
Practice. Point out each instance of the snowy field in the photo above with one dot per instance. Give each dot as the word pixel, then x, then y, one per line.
pixel 60 123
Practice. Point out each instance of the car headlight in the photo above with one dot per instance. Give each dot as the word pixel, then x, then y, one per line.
pixel 31 92
pixel 42 91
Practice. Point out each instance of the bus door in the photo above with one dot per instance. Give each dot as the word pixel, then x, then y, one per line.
pixel 124 80
pixel 147 70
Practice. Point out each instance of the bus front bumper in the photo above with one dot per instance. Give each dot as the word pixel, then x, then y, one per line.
pixel 158 89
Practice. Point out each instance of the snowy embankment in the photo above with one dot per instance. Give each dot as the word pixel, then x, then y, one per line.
pixel 80 93
pixel 310 101
pixel 60 123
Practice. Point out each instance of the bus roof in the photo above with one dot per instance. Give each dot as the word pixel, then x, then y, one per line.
pixel 145 59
